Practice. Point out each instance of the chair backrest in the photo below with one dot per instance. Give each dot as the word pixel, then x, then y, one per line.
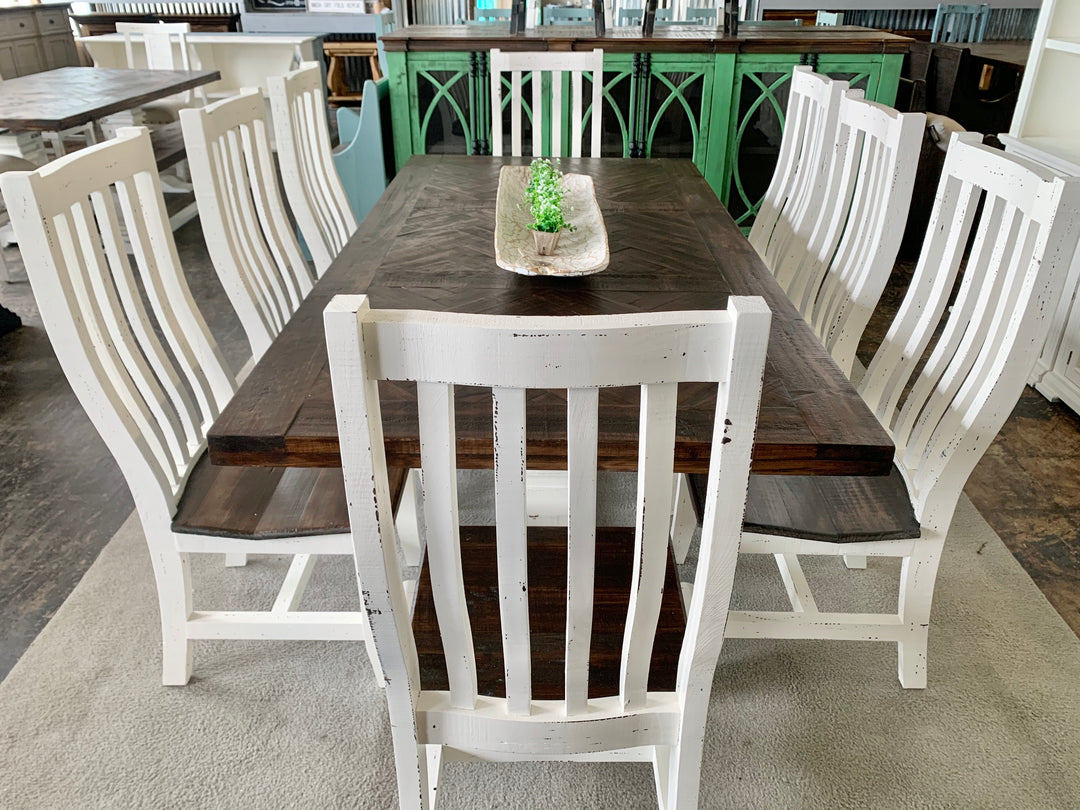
pixel 385 22
pixel 164 46
pixel 701 16
pixel 247 231
pixel 998 317
pixel 829 18
pixel 960 23
pixel 364 154
pixel 795 192
pixel 837 276
pixel 312 186
pixel 633 16
pixel 491 15
pixel 560 15
pixel 560 72
pixel 131 341
pixel 655 351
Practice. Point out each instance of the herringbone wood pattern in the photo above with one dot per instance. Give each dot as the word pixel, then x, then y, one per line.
pixel 429 244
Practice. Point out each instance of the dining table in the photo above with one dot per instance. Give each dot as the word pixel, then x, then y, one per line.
pixel 428 244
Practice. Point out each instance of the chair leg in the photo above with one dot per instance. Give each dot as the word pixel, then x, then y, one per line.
pixel 172 575
pixel 855 561
pixel 917 577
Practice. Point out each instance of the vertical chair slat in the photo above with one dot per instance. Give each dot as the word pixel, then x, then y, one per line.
pixel 597 108
pixel 515 112
pixel 656 447
pixel 581 434
pixel 438 458
pixel 576 107
pixel 537 85
pixel 496 113
pixel 139 319
pixel 509 435
pixel 556 80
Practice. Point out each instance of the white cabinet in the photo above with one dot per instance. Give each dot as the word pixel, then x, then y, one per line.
pixel 33 40
pixel 1046 128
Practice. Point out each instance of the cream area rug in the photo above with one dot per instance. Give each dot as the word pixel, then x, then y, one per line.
pixel 85 722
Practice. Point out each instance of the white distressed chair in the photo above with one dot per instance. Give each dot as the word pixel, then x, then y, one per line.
pixel 151 378
pixel 312 185
pixel 247 231
pixel 829 18
pixel 837 276
pixel 581 354
pixel 797 188
pixel 942 415
pixel 539 68
pixel 161 46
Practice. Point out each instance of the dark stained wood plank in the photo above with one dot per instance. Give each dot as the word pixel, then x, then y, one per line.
pixel 72 96
pixel 860 508
pixel 665 39
pixel 547 615
pixel 259 503
pixel 428 245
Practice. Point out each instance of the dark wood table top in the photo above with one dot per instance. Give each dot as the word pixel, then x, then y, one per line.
pixel 428 244
pixel 665 39
pixel 72 96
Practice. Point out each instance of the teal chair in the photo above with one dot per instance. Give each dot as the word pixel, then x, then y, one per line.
pixel 560 15
pixel 701 16
pixel 361 160
pixel 954 23
pixel 633 16
pixel 491 15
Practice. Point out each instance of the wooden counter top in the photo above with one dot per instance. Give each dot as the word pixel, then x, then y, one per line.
pixel 669 39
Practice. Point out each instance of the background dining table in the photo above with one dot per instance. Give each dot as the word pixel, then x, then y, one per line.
pixel 428 244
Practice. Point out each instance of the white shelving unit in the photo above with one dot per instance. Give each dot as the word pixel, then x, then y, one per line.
pixel 1046 128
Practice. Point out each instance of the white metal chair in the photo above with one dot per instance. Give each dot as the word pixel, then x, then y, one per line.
pixel 312 185
pixel 794 197
pixel 151 378
pixel 941 414
pixel 554 70
pixel 960 23
pixel 247 231
pixel 836 277
pixel 538 719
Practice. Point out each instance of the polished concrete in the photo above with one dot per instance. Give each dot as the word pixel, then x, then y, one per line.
pixel 62 496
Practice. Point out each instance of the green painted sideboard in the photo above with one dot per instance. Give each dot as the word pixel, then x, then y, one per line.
pixel 688 91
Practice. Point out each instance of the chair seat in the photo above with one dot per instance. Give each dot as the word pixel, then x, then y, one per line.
pixel 547 615
pixel 836 509
pixel 260 503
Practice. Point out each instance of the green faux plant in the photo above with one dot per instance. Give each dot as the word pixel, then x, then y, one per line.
pixel 545 196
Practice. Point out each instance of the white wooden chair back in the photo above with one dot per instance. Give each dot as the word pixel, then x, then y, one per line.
pixel 312 185
pixel 563 71
pixel 836 278
pixel 164 46
pixel 797 187
pixel 131 341
pixel 581 355
pixel 996 323
pixel 829 18
pixel 247 232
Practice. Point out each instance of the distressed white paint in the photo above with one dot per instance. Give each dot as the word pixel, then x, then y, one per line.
pixel 145 367
pixel 993 331
pixel 312 185
pixel 537 67
pixel 579 354
pixel 247 231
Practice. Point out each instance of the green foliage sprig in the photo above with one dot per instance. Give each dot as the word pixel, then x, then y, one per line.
pixel 545 196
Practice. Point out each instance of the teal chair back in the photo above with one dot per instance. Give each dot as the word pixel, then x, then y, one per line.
pixel 366 149
pixel 558 15
pixel 959 23
pixel 633 16
pixel 491 15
